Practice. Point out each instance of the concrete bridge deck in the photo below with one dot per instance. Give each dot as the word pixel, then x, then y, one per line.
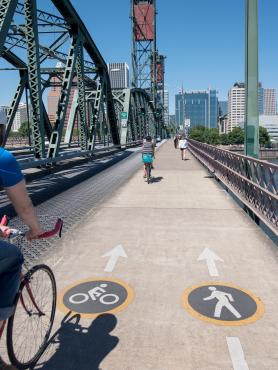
pixel 162 276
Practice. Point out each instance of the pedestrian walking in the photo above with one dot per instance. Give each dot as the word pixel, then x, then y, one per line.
pixel 183 146
pixel 176 141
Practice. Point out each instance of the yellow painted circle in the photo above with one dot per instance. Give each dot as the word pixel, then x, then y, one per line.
pixel 66 310
pixel 256 316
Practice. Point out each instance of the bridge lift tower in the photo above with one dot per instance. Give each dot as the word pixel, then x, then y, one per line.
pixel 147 64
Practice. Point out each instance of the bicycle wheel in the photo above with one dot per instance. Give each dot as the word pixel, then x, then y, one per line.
pixel 30 326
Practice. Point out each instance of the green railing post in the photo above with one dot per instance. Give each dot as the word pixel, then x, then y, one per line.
pixel 251 80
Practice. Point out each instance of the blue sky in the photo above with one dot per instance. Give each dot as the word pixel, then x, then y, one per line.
pixel 203 41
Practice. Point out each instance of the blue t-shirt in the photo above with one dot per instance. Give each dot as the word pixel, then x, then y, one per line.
pixel 10 173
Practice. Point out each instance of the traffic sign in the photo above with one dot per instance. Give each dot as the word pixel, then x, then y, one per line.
pixel 222 304
pixel 123 115
pixel 92 297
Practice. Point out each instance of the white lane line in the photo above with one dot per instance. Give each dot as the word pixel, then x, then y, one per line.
pixel 114 255
pixel 210 257
pixel 236 353
pixel 57 262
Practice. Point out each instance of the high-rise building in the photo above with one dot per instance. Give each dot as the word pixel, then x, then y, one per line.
pixel 20 116
pixel 179 109
pixel 236 106
pixel 269 101
pixel 166 107
pixel 172 119
pixel 119 75
pixel 271 124
pixel 223 108
pixel 201 107
pixel 261 99
pixel 53 99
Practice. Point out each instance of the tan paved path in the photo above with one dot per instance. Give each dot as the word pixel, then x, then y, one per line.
pixel 163 228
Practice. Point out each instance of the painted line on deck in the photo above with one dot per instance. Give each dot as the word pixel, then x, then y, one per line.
pixel 236 353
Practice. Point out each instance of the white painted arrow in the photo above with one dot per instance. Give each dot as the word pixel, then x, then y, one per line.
pixel 210 257
pixel 236 353
pixel 114 255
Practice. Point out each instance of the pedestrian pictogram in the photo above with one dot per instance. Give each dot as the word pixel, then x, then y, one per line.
pixel 223 300
pixel 222 304
pixel 95 296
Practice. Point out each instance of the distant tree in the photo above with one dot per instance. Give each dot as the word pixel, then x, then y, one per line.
pixel 212 136
pixel 236 136
pixel 23 129
pixel 206 135
pixel 224 139
pixel 264 137
pixel 197 133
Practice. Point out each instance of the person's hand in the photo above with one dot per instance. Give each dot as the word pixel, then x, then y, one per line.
pixel 33 234
pixel 5 231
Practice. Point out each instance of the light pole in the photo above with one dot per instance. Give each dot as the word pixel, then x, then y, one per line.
pixel 251 142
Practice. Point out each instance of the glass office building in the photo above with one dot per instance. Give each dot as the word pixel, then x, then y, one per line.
pixel 200 107
pixel 223 108
pixel 179 109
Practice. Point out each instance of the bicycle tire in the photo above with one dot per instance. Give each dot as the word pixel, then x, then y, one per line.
pixel 14 356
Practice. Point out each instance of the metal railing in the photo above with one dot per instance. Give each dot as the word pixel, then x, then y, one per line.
pixel 253 181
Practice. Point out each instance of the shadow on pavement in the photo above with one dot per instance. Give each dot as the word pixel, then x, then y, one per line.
pixel 80 347
pixel 156 179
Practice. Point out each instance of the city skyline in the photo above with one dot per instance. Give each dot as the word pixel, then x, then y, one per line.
pixel 204 48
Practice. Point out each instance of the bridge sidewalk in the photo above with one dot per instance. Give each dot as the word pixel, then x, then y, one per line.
pixel 164 227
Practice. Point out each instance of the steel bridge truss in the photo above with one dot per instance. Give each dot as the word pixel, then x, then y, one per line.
pixel 56 52
pixel 136 115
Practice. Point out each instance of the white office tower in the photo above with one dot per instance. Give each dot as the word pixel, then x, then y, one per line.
pixel 20 116
pixel 166 107
pixel 119 75
pixel 271 124
pixel 270 105
pixel 236 106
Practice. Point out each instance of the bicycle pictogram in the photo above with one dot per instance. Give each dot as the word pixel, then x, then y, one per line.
pixel 91 297
pixel 95 294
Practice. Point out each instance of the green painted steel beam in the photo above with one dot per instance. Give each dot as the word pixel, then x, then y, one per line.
pixel 251 80
pixel 7 9
pixel 37 122
pixel 81 96
pixel 56 135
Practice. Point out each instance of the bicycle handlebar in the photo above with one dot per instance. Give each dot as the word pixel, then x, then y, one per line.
pixel 47 234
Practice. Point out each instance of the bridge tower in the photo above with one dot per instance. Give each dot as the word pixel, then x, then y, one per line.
pixel 144 52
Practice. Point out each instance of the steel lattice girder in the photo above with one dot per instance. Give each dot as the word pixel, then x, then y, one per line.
pixel 37 126
pixel 140 119
pixel 76 25
pixel 7 9
pixel 96 113
pixel 56 135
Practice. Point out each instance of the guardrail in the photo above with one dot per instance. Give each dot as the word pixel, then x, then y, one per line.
pixel 253 181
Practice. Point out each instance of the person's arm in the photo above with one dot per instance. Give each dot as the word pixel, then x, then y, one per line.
pixel 208 298
pixel 24 208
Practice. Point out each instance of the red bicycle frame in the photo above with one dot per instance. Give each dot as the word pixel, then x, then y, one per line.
pixel 24 278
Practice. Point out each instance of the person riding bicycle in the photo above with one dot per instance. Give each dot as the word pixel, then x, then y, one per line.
pixel 147 153
pixel 11 259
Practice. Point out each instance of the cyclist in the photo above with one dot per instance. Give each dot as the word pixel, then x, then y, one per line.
pixel 11 259
pixel 147 152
